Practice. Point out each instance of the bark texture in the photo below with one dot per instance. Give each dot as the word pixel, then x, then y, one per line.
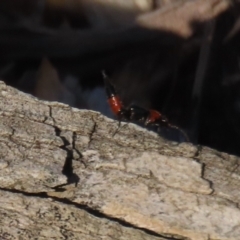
pixel 65 175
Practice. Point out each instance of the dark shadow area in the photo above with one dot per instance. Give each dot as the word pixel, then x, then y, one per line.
pixel 153 69
pixel 67 167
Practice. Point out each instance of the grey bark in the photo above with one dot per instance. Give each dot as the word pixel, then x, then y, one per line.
pixel 65 175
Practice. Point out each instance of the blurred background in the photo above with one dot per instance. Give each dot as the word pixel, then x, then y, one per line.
pixel 178 57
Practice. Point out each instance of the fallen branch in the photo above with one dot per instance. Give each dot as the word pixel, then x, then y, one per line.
pixel 135 185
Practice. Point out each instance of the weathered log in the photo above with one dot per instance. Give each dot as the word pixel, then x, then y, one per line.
pixel 64 174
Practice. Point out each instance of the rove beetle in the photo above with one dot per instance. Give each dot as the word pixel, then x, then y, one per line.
pixel 135 113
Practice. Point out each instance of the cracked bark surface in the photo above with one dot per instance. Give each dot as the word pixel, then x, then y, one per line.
pixel 63 175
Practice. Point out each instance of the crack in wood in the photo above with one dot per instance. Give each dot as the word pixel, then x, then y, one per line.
pixel 96 213
pixel 93 130
pixel 67 167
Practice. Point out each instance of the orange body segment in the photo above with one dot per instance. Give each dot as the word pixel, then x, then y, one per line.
pixel 153 116
pixel 115 104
